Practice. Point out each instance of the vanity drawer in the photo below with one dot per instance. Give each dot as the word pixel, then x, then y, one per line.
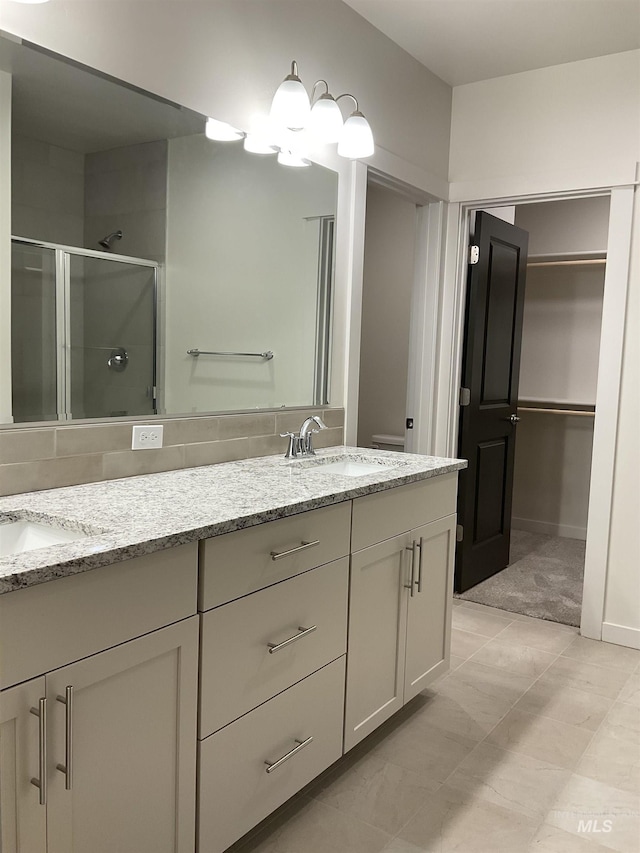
pixel 235 642
pixel 235 564
pixel 385 514
pixel 235 790
pixel 55 623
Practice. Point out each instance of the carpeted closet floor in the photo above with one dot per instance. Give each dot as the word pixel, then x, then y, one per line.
pixel 544 579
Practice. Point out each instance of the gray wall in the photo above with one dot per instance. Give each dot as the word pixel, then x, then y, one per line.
pixel 386 313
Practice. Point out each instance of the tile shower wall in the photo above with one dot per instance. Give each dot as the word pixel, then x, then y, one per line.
pixel 126 189
pixel 47 192
pixel 50 457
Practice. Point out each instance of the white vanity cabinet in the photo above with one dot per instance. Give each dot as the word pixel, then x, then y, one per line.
pixel 24 820
pixel 400 599
pixel 271 668
pixel 170 702
pixel 115 758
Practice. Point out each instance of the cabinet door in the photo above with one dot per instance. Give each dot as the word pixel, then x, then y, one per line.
pixel 134 741
pixel 429 610
pixel 24 820
pixel 377 628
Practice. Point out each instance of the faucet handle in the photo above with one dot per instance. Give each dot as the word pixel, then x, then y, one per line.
pixel 294 444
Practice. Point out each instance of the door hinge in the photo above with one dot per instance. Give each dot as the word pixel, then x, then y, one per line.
pixel 459 533
pixel 465 396
pixel 474 254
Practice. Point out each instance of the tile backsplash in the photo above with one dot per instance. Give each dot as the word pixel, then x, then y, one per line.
pixel 53 456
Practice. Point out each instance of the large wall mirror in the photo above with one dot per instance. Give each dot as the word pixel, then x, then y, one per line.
pixel 155 271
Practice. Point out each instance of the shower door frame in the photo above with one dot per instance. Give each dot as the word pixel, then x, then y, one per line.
pixel 62 256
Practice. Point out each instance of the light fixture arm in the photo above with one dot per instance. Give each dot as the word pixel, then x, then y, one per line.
pixel 353 98
pixel 313 90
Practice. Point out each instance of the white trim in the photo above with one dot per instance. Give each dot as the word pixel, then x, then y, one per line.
pixel 347 306
pixel 621 635
pixel 534 525
pixel 421 186
pixel 425 321
pixel 559 184
pixel 6 410
pixel 609 372
pixel 605 429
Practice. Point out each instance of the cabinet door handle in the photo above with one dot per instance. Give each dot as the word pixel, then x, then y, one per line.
pixel 273 765
pixel 410 586
pixel 278 555
pixel 41 783
pixel 302 632
pixel 421 549
pixel 67 767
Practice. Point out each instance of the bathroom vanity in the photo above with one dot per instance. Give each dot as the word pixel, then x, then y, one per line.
pixel 220 637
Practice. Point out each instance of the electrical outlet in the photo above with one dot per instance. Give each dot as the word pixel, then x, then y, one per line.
pixel 146 437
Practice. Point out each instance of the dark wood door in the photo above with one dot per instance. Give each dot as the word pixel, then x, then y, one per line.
pixel 490 372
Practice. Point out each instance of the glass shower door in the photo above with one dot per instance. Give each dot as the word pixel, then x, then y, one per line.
pixel 111 334
pixel 33 333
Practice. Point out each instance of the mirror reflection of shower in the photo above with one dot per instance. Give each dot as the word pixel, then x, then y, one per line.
pixel 109 239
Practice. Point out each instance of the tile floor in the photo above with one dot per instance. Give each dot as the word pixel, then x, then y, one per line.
pixel 530 743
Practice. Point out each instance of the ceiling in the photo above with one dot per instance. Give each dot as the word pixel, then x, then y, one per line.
pixel 463 41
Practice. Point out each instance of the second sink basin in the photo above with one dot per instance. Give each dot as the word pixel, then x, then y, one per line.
pixel 349 466
pixel 22 534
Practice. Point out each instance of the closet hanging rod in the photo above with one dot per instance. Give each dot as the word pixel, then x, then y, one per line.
pixel 577 412
pixel 267 356
pixel 576 263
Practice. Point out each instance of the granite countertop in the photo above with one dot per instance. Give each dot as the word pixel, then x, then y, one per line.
pixel 138 515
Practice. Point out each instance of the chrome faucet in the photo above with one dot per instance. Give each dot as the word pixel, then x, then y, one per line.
pixel 302 443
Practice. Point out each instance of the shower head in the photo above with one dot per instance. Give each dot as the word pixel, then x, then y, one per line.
pixel 109 239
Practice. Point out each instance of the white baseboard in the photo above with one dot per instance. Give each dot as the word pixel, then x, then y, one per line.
pixel 532 525
pixel 621 635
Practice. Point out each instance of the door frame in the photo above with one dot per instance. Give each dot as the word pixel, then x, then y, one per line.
pixel 432 223
pixel 450 330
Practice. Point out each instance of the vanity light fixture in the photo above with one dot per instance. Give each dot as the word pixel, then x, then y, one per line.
pixel 324 122
pixel 221 130
pixel 260 138
pixel 257 144
pixel 290 158
pixel 291 106
pixel 356 139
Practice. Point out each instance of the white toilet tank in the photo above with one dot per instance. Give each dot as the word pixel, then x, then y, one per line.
pixel 382 441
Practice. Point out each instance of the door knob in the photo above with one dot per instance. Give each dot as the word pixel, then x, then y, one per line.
pixel 514 419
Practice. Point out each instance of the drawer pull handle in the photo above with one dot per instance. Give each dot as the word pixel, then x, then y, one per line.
pixel 302 632
pixel 421 549
pixel 41 783
pixel 273 765
pixel 278 555
pixel 67 767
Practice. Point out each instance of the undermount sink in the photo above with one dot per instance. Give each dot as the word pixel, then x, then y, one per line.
pixel 18 535
pixel 349 466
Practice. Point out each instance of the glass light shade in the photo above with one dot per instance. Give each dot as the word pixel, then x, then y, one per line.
pixel 221 131
pixel 290 106
pixel 356 139
pixel 288 158
pixel 257 144
pixel 325 122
